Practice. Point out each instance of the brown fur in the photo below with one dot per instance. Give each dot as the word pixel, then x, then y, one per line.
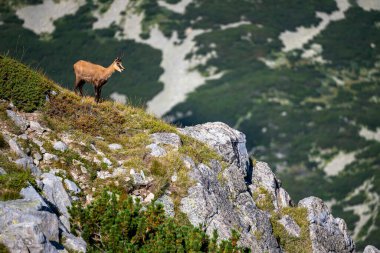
pixel 95 74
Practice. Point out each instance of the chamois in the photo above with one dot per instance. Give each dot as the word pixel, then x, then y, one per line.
pixel 95 74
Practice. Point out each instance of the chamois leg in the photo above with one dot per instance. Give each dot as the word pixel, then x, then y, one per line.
pixel 79 86
pixel 98 91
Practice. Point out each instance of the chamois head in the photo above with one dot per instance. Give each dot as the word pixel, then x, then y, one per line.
pixel 117 64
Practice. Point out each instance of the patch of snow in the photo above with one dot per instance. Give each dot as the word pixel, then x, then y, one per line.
pixel 1 22
pixel 40 17
pixel 118 97
pixel 178 78
pixel 370 135
pixel 234 25
pixel 296 40
pixel 369 5
pixel 112 15
pixel 179 7
pixel 364 210
pixel 339 162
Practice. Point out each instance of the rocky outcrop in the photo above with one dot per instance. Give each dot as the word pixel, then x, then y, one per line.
pixel 223 198
pixel 328 234
pixel 30 225
pixel 371 249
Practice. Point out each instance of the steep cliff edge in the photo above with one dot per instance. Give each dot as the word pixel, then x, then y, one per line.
pixel 71 149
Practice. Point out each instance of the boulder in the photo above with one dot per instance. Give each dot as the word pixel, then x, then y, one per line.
pixel 73 243
pixel 371 249
pixel 48 158
pixel 115 146
pixel 36 127
pixel 168 204
pixel 15 147
pixel 55 193
pixel 71 186
pixel 328 234
pixel 156 151
pixel 28 226
pixel 60 146
pixel 170 139
pixel 19 121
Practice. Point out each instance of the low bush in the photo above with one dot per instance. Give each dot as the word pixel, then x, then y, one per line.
pixel 26 88
pixel 112 223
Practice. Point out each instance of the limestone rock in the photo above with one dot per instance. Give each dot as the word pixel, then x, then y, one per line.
pixel 48 158
pixel 107 161
pixel 115 146
pixel 228 142
pixel 72 243
pixel 328 234
pixel 262 176
pixel 36 127
pixel 168 204
pixel 290 225
pixel 60 146
pixel 71 186
pixel 15 147
pixel 156 151
pixel 55 193
pixel 18 120
pixel 371 249
pixel 171 139
pixel 27 226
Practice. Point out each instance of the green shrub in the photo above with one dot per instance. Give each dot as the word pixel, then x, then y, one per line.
pixel 113 224
pixel 26 88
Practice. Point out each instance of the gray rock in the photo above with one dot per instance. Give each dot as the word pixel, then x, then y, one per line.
pixel 15 147
pixel 103 174
pixel 35 126
pixel 168 204
pixel 2 171
pixel 220 199
pixel 29 193
pixel 19 121
pixel 71 186
pixel 72 243
pixel 37 156
pixel 28 163
pixel 228 142
pixel 26 237
pixel 115 146
pixel 156 151
pixel 328 234
pixel 371 249
pixel 290 225
pixel 107 161
pixel 262 176
pixel 171 139
pixel 28 225
pixel 55 193
pixel 60 146
pixel 48 158
pixel 139 179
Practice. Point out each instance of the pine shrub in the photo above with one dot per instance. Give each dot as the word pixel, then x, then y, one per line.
pixel 26 88
pixel 113 224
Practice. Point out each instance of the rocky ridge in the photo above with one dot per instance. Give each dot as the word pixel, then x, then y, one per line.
pixel 233 193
